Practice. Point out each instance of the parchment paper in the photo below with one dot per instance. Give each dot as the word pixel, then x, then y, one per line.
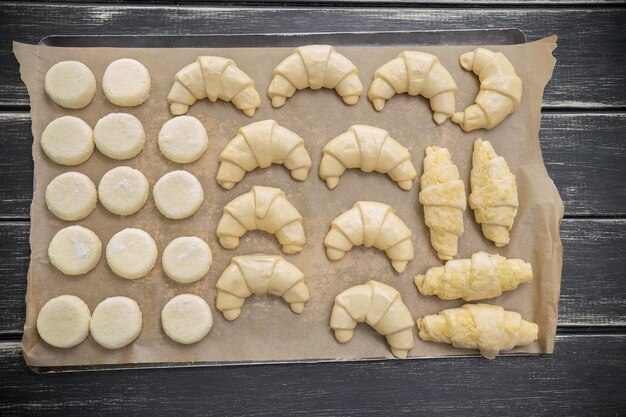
pixel 267 330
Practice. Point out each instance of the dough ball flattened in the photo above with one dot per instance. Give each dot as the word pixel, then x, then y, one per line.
pixel 131 253
pixel 116 322
pixel 187 259
pixel 75 250
pixel 178 195
pixel 123 190
pixel 70 84
pixel 186 319
pixel 67 140
pixel 63 321
pixel 119 136
pixel 71 196
pixel 126 82
pixel 183 139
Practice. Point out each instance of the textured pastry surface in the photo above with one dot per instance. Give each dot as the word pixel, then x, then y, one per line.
pixel 187 259
pixel 116 322
pixel 131 253
pixel 123 190
pixel 119 136
pixel 178 194
pixel 183 139
pixel 63 321
pixel 70 84
pixel 126 82
pixel 75 250
pixel 186 319
pixel 67 140
pixel 71 196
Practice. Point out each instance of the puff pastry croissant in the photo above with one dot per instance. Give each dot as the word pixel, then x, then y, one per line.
pixel 258 145
pixel 381 307
pixel 266 209
pixel 374 224
pixel 213 77
pixel 370 149
pixel 314 67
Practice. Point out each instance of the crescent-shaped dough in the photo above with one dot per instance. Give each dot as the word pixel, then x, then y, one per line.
pixel 258 145
pixel 500 90
pixel 371 224
pixel 256 275
pixel 266 209
pixel 370 149
pixel 213 77
pixel 314 67
pixel 416 73
pixel 381 307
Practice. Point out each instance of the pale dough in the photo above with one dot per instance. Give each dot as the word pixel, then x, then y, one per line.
pixel 126 82
pixel 178 194
pixel 186 319
pixel 123 190
pixel 75 250
pixel 187 259
pixel 71 196
pixel 63 321
pixel 116 322
pixel 131 253
pixel 70 84
pixel 119 136
pixel 183 139
pixel 67 140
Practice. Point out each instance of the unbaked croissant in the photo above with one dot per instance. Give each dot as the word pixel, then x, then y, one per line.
pixel 213 77
pixel 494 193
pixel 500 90
pixel 258 145
pixel 370 149
pixel 443 197
pixel 381 307
pixel 314 67
pixel 416 73
pixel 371 224
pixel 262 208
pixel 487 327
pixel 259 274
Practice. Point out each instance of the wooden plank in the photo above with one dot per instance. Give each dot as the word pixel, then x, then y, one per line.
pixel 366 3
pixel 589 73
pixel 16 165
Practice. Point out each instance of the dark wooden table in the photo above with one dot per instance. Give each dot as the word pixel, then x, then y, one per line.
pixel 583 138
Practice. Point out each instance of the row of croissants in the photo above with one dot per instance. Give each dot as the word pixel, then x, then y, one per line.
pixel 321 66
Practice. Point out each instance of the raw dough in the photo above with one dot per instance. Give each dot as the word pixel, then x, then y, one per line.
pixel 186 319
pixel 123 190
pixel 183 139
pixel 116 322
pixel 119 136
pixel 126 82
pixel 178 195
pixel 67 140
pixel 63 321
pixel 187 259
pixel 71 196
pixel 70 84
pixel 131 253
pixel 75 250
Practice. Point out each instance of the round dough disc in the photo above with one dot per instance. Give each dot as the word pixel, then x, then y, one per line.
pixel 63 321
pixel 71 196
pixel 178 194
pixel 119 136
pixel 183 139
pixel 123 190
pixel 116 322
pixel 75 250
pixel 131 253
pixel 126 82
pixel 67 140
pixel 187 259
pixel 186 319
pixel 70 84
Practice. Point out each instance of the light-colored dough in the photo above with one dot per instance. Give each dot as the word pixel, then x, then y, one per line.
pixel 126 82
pixel 116 322
pixel 187 259
pixel 131 253
pixel 123 190
pixel 178 194
pixel 70 84
pixel 71 196
pixel 183 139
pixel 75 250
pixel 63 321
pixel 67 140
pixel 186 319
pixel 119 136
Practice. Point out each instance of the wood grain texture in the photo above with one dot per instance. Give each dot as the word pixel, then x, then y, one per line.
pixel 363 3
